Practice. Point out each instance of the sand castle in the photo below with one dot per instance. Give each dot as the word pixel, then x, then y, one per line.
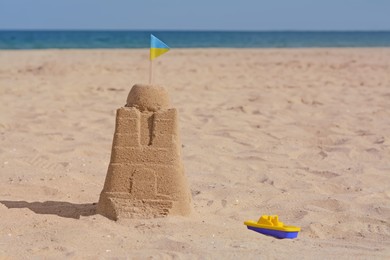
pixel 145 177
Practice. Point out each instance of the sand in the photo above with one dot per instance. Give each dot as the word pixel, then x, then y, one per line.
pixel 300 133
pixel 145 178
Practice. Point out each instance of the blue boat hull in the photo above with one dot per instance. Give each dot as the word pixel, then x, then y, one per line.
pixel 274 233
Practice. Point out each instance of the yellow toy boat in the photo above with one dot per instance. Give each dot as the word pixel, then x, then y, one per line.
pixel 271 226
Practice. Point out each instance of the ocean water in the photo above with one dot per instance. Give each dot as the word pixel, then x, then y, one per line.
pixel 189 39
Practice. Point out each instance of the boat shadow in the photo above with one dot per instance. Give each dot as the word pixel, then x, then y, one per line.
pixel 59 208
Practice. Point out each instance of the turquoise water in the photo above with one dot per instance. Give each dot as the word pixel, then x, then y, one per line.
pixel 191 39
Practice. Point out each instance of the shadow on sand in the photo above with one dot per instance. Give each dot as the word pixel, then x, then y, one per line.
pixel 59 208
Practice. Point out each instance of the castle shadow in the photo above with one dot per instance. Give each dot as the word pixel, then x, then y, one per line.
pixel 59 208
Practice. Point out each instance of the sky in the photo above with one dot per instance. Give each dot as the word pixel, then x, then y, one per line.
pixel 236 15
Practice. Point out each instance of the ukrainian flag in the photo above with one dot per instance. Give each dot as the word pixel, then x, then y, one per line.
pixel 157 47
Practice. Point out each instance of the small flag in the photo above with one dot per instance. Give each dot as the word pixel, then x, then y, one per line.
pixel 157 47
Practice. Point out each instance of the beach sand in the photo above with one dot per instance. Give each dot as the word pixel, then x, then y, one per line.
pixel 301 133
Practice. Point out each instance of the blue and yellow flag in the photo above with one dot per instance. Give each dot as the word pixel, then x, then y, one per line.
pixel 157 47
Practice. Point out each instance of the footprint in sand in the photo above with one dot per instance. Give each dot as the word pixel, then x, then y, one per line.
pixel 324 174
pixel 331 205
pixel 43 162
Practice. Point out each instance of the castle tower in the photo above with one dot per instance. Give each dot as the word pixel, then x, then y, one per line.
pixel 145 177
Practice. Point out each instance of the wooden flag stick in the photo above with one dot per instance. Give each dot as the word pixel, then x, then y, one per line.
pixel 150 72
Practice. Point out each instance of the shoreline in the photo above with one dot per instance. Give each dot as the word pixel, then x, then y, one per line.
pixel 204 49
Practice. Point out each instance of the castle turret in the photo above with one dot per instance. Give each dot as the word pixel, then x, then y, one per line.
pixel 145 177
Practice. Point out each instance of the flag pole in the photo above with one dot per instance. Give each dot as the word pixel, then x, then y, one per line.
pixel 150 72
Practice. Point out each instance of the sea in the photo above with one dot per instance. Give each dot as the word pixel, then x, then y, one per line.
pixel 31 39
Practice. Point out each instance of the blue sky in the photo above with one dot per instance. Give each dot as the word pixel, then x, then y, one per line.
pixel 196 14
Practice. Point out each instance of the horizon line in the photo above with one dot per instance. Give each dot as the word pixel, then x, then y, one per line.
pixel 201 30
pixel 191 30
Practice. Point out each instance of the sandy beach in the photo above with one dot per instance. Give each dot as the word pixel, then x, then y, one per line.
pixel 300 133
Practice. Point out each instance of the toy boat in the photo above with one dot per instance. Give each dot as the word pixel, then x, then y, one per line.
pixel 271 226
